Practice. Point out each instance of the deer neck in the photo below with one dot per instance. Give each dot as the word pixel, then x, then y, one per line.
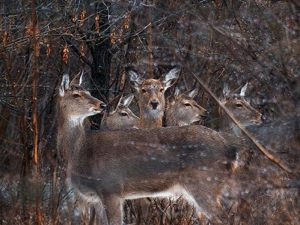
pixel 150 122
pixel 228 126
pixel 70 138
pixel 235 130
pixel 170 120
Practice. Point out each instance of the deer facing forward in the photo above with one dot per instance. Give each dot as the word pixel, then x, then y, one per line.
pixel 151 96
pixel 107 167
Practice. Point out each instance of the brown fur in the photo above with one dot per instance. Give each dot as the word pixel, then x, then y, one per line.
pixel 183 110
pixel 151 97
pixel 110 166
pixel 118 115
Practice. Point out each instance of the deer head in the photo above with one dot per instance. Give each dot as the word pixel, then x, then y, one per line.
pixel 76 102
pixel 151 96
pixel 240 108
pixel 182 110
pixel 118 115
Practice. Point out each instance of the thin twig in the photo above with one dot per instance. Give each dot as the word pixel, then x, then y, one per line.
pixel 150 47
pixel 35 115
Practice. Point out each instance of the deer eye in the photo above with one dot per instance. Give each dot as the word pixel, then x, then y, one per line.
pixel 76 96
pixel 144 90
pixel 239 105
pixel 161 90
pixel 187 104
pixel 124 114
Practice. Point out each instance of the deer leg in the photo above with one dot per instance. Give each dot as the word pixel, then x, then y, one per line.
pixel 203 191
pixel 205 198
pixel 142 205
pixel 92 215
pixel 113 208
pixel 98 214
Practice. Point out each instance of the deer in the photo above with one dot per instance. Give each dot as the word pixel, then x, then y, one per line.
pixel 245 114
pixel 118 115
pixel 280 138
pixel 182 110
pixel 265 133
pixel 152 107
pixel 105 167
pixel 151 96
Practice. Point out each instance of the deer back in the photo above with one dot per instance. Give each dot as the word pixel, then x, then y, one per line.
pixel 281 138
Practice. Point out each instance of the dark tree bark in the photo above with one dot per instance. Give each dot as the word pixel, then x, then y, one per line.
pixel 99 48
pixel 100 51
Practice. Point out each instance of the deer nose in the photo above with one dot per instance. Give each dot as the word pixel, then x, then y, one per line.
pixel 154 103
pixel 103 106
pixel 264 118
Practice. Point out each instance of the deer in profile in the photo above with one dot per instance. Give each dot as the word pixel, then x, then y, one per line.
pixel 107 167
pixel 118 115
pixel 240 108
pixel 277 137
pixel 245 114
pixel 280 138
pixel 182 110
pixel 151 96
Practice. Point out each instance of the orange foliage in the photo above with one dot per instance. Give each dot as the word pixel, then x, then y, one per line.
pixel 48 49
pixel 65 54
pixel 5 38
pixel 126 23
pixel 97 26
pixel 82 49
pixel 82 17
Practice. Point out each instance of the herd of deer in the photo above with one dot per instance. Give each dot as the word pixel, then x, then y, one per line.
pixel 131 157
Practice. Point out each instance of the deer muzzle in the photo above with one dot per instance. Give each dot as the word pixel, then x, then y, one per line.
pixel 154 104
pixel 99 107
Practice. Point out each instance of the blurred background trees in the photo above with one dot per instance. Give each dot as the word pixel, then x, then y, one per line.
pixel 222 42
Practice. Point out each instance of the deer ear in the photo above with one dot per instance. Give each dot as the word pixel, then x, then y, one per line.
pixel 170 78
pixel 135 80
pixel 113 104
pixel 226 92
pixel 170 101
pixel 76 80
pixel 127 100
pixel 80 78
pixel 65 85
pixel 243 90
pixel 177 92
pixel 192 93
